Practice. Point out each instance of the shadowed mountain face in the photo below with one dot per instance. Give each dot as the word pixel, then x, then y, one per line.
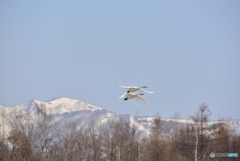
pixel 65 110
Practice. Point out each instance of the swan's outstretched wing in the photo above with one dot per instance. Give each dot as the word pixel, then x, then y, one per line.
pixel 124 95
pixel 145 91
pixel 127 87
pixel 134 88
pixel 141 99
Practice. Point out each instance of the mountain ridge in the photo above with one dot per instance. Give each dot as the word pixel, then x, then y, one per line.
pixel 64 110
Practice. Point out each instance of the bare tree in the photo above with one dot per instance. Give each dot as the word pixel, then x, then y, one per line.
pixel 186 142
pixel 200 120
pixel 76 143
pixel 96 140
pixel 173 153
pixel 21 146
pixel 20 120
pixel 153 147
pixel 70 142
pixel 3 125
pixel 46 130
pixel 4 150
pixel 109 144
pixel 120 141
pixel 83 145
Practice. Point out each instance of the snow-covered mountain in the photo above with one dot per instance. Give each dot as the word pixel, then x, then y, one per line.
pixel 65 110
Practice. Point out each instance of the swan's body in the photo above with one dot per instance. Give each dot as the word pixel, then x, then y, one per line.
pixel 134 89
pixel 134 96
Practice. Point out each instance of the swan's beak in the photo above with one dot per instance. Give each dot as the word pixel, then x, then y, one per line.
pixel 125 98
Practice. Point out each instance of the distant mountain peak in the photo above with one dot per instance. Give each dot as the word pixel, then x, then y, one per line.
pixel 65 105
pixel 63 100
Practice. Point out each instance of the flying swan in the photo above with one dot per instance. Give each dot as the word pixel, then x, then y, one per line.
pixel 134 89
pixel 134 96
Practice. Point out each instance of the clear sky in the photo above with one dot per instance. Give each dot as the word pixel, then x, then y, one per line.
pixel 188 52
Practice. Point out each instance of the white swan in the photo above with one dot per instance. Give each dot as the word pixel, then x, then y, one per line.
pixel 134 96
pixel 134 89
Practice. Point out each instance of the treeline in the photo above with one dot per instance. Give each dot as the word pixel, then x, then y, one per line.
pixel 42 139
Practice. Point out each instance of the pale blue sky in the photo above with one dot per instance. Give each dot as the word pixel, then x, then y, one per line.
pixel 188 52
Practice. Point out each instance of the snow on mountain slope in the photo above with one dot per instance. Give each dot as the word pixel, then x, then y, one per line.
pixel 63 105
pixel 64 110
